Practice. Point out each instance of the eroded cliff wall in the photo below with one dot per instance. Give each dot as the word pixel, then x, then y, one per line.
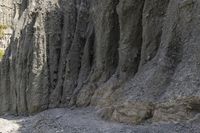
pixel 134 59
pixel 6 12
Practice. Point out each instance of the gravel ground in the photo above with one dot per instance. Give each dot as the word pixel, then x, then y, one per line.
pixel 84 121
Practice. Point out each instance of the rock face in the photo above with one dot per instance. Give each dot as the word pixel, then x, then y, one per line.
pixel 127 57
pixel 5 40
pixel 6 11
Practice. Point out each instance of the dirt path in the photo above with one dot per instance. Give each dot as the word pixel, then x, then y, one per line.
pixel 83 121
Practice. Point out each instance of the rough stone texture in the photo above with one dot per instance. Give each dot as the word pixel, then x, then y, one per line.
pixel 85 121
pixel 103 53
pixel 6 11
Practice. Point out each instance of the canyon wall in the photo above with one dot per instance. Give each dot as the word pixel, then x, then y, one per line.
pixel 6 17
pixel 6 11
pixel 135 60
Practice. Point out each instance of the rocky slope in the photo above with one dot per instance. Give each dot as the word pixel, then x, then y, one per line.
pixel 136 60
pixel 84 120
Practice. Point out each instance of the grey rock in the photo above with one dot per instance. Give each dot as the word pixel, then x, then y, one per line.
pixel 100 53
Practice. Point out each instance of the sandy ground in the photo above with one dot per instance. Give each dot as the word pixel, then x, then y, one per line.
pixel 84 121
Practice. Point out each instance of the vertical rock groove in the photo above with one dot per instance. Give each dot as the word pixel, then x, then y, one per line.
pixel 119 55
pixel 130 37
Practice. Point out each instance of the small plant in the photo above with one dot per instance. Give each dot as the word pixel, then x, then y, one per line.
pixel 2 28
pixel 1 53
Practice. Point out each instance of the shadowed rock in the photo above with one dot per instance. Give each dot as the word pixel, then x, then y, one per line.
pixel 103 53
